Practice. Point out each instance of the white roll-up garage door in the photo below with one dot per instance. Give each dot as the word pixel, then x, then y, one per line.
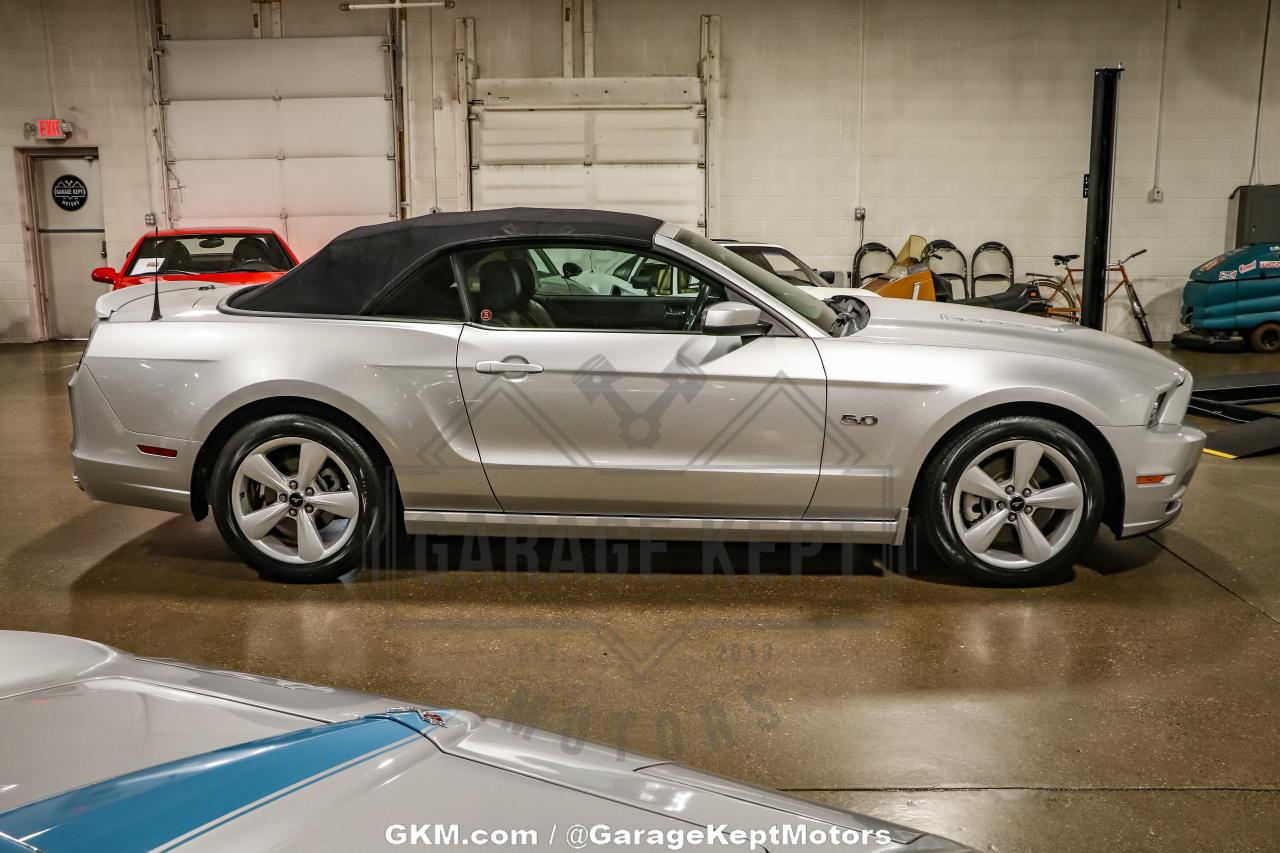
pixel 635 145
pixel 294 134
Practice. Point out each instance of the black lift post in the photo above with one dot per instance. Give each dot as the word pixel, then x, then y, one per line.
pixel 1097 224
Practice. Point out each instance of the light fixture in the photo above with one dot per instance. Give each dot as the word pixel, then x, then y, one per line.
pixel 425 4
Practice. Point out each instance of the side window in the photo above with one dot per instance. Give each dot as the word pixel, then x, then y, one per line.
pixel 567 286
pixel 429 293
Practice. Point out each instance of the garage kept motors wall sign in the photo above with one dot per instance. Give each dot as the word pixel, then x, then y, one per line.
pixel 70 193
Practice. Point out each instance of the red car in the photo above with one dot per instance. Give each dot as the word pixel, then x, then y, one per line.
pixel 217 255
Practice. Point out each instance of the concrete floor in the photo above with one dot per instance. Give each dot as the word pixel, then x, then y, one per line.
pixel 1134 707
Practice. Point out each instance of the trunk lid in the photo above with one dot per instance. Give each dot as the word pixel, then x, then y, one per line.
pixel 135 303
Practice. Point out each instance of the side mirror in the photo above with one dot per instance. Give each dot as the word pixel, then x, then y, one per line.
pixel 570 269
pixel 733 318
pixel 105 275
pixel 829 276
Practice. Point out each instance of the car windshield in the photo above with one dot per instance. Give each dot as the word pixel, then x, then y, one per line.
pixel 815 310
pixel 210 253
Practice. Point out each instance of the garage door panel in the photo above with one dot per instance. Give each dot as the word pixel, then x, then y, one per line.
pixel 673 193
pixel 338 186
pixel 228 187
pixel 541 136
pixel 347 66
pixel 308 128
pixel 272 222
pixel 306 234
pixel 295 134
pixel 530 186
pixel 230 129
pixel 647 136
pixel 633 144
pixel 219 130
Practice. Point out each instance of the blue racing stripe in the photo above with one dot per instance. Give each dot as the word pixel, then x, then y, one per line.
pixel 146 809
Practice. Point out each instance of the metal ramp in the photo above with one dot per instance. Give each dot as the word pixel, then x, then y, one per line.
pixel 1235 398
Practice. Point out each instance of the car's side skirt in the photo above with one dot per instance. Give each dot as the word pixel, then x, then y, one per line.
pixel 444 523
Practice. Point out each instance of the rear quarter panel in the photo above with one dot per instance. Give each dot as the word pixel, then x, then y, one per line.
pixel 180 378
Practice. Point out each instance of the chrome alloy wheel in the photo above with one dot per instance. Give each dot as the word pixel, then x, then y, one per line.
pixel 1017 504
pixel 295 500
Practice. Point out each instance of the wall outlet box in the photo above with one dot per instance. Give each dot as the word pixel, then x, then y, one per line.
pixel 859 213
pixel 1156 195
pixel 149 219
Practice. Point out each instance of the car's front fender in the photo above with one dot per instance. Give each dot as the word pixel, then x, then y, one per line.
pixel 890 404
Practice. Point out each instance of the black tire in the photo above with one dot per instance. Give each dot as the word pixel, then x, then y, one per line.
pixel 369 478
pixel 959 452
pixel 1265 338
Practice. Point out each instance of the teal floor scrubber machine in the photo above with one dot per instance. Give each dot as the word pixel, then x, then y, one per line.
pixel 1233 300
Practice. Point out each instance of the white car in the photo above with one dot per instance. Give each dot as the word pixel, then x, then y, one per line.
pixel 106 751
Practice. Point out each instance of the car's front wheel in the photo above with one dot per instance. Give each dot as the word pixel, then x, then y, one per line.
pixel 1014 501
pixel 298 499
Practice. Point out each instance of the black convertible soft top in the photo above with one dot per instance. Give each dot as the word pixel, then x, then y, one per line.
pixel 342 277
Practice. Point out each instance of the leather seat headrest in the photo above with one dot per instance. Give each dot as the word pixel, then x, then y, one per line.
pixel 500 288
pixel 249 249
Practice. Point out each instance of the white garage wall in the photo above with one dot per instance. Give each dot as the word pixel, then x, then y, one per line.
pixel 965 119
pixel 98 83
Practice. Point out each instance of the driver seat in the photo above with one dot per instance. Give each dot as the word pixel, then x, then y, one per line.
pixel 506 291
pixel 248 250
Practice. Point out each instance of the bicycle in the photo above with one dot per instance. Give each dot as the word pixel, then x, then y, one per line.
pixel 1062 297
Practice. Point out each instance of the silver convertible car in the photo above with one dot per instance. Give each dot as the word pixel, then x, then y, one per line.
pixel 103 751
pixel 438 372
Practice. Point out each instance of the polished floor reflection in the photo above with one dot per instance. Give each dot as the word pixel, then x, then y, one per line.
pixel 1133 707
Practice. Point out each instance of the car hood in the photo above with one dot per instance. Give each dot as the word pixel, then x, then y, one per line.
pixel 342 786
pixel 946 324
pixel 127 747
pixel 829 292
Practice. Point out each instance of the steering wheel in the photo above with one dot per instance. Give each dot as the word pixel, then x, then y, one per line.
pixel 699 305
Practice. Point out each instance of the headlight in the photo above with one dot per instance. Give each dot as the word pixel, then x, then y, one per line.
pixel 1153 417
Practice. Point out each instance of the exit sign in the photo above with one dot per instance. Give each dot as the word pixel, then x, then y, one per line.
pixel 50 128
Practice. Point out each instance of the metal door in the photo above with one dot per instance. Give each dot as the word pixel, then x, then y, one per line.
pixel 645 424
pixel 69 231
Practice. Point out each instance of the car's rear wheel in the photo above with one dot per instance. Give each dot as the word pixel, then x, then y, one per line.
pixel 1265 338
pixel 1014 501
pixel 299 499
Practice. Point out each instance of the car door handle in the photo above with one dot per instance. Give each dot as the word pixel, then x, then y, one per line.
pixel 507 367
